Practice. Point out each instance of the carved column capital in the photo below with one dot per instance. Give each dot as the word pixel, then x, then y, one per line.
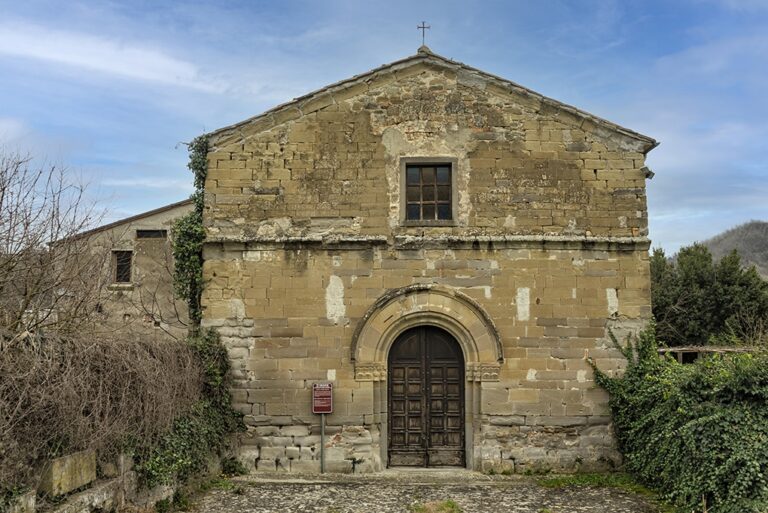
pixel 370 371
pixel 478 371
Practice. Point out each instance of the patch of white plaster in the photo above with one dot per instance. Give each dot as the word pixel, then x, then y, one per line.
pixel 334 300
pixel 494 264
pixel 573 293
pixel 510 221
pixel 331 374
pixel 336 260
pixel 531 375
pixel 259 255
pixel 237 309
pixel 623 221
pixel 581 376
pixel 523 303
pixel 612 296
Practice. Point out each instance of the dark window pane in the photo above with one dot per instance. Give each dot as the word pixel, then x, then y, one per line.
pixel 412 174
pixel 122 266
pixel 443 175
pixel 428 193
pixel 151 234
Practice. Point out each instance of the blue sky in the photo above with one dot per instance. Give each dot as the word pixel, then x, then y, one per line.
pixel 110 89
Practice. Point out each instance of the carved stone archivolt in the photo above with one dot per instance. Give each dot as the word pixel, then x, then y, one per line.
pixel 434 305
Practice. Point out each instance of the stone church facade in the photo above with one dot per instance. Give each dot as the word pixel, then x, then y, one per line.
pixel 448 249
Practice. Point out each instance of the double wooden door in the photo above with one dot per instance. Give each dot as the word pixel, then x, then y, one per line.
pixel 426 399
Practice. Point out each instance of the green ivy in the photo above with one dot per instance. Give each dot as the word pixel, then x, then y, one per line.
pixel 697 433
pixel 189 236
pixel 184 450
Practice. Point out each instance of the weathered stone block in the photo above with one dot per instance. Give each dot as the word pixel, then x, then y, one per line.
pixel 24 503
pixel 272 453
pixel 266 465
pixel 305 466
pixel 300 431
pixel 62 475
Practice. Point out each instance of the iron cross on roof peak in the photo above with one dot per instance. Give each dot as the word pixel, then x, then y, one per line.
pixel 423 27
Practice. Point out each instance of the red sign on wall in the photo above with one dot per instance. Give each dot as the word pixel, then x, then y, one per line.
pixel 322 398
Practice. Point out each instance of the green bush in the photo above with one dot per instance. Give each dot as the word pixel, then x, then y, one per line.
pixel 697 433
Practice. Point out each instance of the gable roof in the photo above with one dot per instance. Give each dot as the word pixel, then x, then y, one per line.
pixel 307 103
pixel 131 219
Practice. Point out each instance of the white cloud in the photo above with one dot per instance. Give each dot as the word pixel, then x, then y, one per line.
pixel 11 130
pixel 100 54
pixel 719 59
pixel 149 183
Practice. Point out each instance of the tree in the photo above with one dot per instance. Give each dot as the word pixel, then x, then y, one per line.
pixel 46 279
pixel 697 301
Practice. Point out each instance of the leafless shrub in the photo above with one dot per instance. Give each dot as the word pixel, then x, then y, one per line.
pixel 61 395
pixel 43 283
pixel 68 380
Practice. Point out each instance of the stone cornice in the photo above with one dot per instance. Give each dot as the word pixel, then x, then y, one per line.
pixel 439 241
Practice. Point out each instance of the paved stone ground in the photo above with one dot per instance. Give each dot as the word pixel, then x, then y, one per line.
pixel 398 491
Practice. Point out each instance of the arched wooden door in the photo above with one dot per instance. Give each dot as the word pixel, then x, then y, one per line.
pixel 426 399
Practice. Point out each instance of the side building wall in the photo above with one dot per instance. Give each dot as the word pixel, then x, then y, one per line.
pixel 145 304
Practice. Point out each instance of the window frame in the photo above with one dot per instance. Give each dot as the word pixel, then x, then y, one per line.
pixel 115 276
pixel 452 162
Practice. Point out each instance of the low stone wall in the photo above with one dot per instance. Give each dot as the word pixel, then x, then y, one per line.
pixel 296 448
pixel 119 487
pixel 517 448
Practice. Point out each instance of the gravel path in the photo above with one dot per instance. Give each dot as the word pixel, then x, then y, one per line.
pixel 398 491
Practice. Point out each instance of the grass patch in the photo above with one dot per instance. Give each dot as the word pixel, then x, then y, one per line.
pixel 613 480
pixel 446 506
pixel 617 480
pixel 217 483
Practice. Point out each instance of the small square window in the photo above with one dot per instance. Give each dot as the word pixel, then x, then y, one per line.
pixel 428 192
pixel 122 264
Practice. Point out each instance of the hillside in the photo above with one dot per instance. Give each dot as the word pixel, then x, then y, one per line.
pixel 749 239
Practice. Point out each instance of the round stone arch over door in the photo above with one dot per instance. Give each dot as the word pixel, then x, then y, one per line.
pixel 434 305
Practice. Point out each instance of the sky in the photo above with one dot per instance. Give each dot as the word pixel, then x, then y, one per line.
pixel 113 89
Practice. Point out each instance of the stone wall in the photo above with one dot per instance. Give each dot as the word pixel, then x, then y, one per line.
pixel 288 325
pixel 305 238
